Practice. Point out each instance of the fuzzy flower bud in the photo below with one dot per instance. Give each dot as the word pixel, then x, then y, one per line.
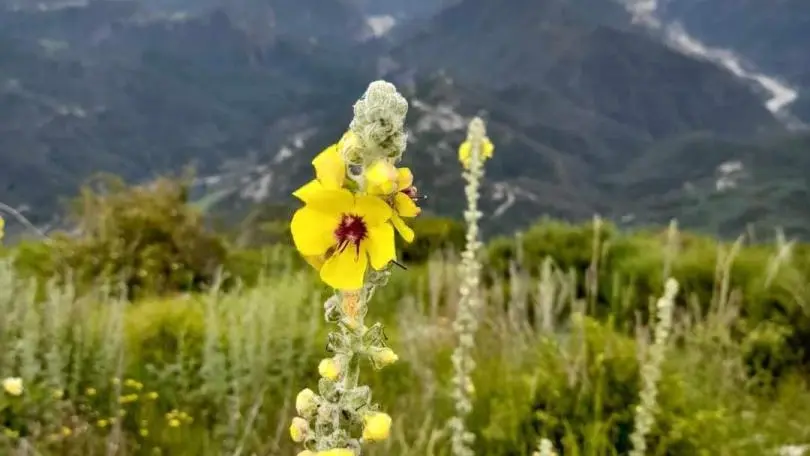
pixel 13 386
pixel 329 369
pixel 376 426
pixel 382 357
pixel 299 429
pixel 378 123
pixel 306 402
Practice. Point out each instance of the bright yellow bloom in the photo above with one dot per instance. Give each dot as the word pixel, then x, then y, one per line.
pixel 102 423
pixel 299 429
pixel 66 431
pixel 174 422
pixel 329 369
pixel 336 452
pixel 465 152
pixel 13 386
pixel 305 402
pixel 349 231
pixel 91 392
pixel 404 204
pixel 2 228
pixel 381 178
pixel 376 426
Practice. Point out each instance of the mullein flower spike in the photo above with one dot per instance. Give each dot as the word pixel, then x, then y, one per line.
pixel 345 230
pixel 472 154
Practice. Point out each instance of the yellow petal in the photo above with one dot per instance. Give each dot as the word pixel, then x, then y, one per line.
pixel 330 168
pixel 404 178
pixel 333 202
pixel 489 148
pixel 404 230
pixel 405 206
pixel 464 152
pixel 316 261
pixel 381 178
pixel 373 209
pixel 346 270
pixel 308 190
pixel 312 231
pixel 380 245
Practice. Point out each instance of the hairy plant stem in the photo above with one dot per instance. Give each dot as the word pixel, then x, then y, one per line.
pixel 466 323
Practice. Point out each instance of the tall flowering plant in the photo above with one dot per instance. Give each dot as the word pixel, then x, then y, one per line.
pixel 352 209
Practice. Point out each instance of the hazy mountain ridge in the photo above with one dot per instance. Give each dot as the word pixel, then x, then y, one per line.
pixel 574 101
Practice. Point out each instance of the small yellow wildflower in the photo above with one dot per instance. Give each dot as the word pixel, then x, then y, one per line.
pixel 349 231
pixel 152 395
pixel 299 429
pixel 329 368
pixel 13 386
pixel 385 357
pixel 376 426
pixel 102 423
pixel 174 422
pixel 134 384
pixel 127 399
pixel 336 452
pixel 305 402
pixel 90 392
pixel 465 152
pixel 66 431
pixel 144 432
pixel 2 228
pixel 402 196
pixel 381 178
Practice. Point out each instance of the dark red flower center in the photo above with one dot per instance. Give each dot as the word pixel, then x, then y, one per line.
pixel 352 229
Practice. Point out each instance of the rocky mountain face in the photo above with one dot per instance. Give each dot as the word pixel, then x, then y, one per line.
pixel 771 36
pixel 586 109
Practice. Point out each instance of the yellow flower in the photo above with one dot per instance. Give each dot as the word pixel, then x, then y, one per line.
pixel 133 384
pixel 129 398
pixel 465 152
pixel 174 422
pixel 385 357
pixel 66 431
pixel 349 231
pixel 404 204
pixel 305 402
pixel 299 429
pixel 90 391
pixel 13 386
pixel 329 368
pixel 144 432
pixel 102 423
pixel 152 395
pixel 336 452
pixel 2 228
pixel 376 426
pixel 381 178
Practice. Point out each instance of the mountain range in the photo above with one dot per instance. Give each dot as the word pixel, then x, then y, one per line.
pixel 591 110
